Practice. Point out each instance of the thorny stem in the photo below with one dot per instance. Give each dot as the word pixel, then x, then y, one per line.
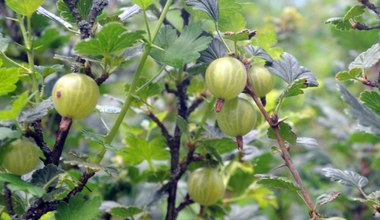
pixel 273 122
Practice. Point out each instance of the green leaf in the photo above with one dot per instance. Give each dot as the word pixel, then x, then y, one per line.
pixel 362 113
pixel 79 208
pixel 8 79
pixel 139 149
pixel 277 182
pixel 354 12
pixel 230 16
pixel 259 52
pixel 289 70
pixel 3 43
pixel 222 145
pixel 17 106
pixel 45 175
pixel 17 184
pixel 208 6
pixel 181 123
pixel 239 36
pixel 144 4
pixel 345 177
pixel 24 7
pixel 125 212
pixel 347 75
pixel 7 133
pixel 145 88
pixel 178 51
pixel 367 59
pixel 327 198
pixel 84 7
pixel 340 23
pixel 371 100
pixel 112 39
pixel 265 38
pixel 295 88
pixel 286 133
pixel 363 138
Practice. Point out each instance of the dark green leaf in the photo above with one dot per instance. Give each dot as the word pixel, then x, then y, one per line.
pixel 347 75
pixel 354 12
pixel 208 6
pixel 145 89
pixel 367 59
pixel 340 23
pixel 45 175
pixel 362 113
pixel 286 133
pixel 214 51
pixel 78 208
pixel 17 184
pixel 181 123
pixel 295 88
pixel 289 70
pixel 17 106
pixel 222 145
pixel 84 7
pixel 184 49
pixel 259 52
pixel 277 182
pixel 125 212
pixel 24 7
pixel 112 39
pixel 371 100
pixel 8 79
pixel 345 177
pixel 37 112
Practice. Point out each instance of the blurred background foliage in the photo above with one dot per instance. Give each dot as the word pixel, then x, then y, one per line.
pixel 320 114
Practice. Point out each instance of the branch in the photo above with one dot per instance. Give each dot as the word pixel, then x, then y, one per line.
pixel 8 200
pixel 164 130
pixel 63 131
pixel 82 182
pixel 187 201
pixel 38 137
pixel 96 9
pixel 273 122
pixel 371 6
pixel 197 102
pixel 363 27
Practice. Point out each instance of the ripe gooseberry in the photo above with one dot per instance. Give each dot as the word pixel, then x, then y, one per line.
pixel 19 156
pixel 226 78
pixel 261 79
pixel 75 95
pixel 237 117
pixel 205 186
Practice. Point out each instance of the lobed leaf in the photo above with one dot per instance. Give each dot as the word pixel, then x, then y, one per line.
pixel 16 107
pixel 347 75
pixel 79 208
pixel 362 113
pixel 17 184
pixel 345 177
pixel 125 212
pixel 354 12
pixel 208 6
pixel 295 88
pixel 144 4
pixel 24 7
pixel 277 182
pixel 112 39
pixel 43 176
pixel 372 100
pixel 230 16
pixel 289 70
pixel 215 50
pixel 177 51
pixel 340 23
pixel 367 59
pixel 259 52
pixel 84 7
pixel 8 79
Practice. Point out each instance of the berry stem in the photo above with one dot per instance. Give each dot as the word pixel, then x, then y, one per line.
pixel 219 105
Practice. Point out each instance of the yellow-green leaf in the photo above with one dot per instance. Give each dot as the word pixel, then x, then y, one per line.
pixel 24 7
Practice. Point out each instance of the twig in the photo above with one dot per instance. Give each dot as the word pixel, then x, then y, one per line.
pixel 164 130
pixel 38 137
pixel 363 27
pixel 196 103
pixel 371 6
pixel 273 122
pixel 8 200
pixel 82 182
pixel 96 9
pixel 63 131
pixel 187 201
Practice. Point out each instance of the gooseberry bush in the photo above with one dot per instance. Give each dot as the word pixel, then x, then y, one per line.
pixel 186 109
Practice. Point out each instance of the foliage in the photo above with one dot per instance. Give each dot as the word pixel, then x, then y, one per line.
pixel 312 154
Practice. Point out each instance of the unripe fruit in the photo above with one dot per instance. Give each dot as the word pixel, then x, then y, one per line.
pixel 261 80
pixel 237 117
pixel 75 95
pixel 226 77
pixel 205 186
pixel 19 157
